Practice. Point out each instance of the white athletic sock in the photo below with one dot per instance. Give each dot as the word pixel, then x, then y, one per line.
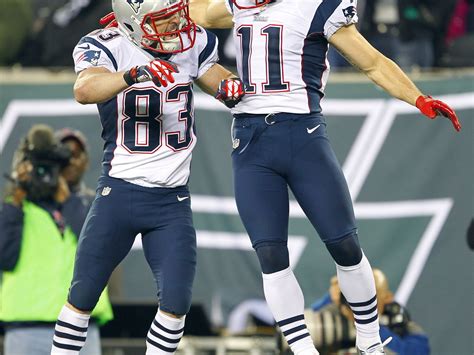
pixel 358 287
pixel 164 334
pixel 286 302
pixel 70 332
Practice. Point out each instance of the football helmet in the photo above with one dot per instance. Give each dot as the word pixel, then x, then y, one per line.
pixel 162 26
pixel 250 4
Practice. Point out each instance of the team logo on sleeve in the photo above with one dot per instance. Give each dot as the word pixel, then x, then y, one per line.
pixel 91 57
pixel 349 12
pixel 135 5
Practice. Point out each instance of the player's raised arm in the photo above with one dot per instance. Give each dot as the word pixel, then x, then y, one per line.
pixel 385 73
pixel 95 85
pixel 98 84
pixel 222 84
pixel 210 13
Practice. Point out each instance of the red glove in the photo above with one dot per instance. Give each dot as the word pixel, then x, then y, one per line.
pixel 109 20
pixel 159 71
pixel 432 108
pixel 230 91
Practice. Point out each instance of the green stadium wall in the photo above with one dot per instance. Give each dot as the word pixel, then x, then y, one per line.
pixel 411 180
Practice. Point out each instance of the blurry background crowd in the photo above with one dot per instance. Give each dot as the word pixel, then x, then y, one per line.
pixel 415 33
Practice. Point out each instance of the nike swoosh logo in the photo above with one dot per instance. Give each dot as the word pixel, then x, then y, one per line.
pixel 312 129
pixel 182 198
pixel 85 47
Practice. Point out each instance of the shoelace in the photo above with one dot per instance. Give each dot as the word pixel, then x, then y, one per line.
pixel 379 347
pixel 388 340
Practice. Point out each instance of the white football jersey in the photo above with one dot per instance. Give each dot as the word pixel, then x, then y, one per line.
pixel 281 52
pixel 148 130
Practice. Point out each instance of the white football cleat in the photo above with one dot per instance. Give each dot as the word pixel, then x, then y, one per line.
pixel 376 349
pixel 309 352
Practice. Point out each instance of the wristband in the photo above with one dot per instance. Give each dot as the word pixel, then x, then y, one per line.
pixel 127 76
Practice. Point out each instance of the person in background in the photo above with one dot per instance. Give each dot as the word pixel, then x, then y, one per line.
pixel 14 30
pixel 332 296
pixel 459 40
pixel 332 325
pixel 423 25
pixel 81 197
pixel 37 248
pixel 380 25
pixel 63 20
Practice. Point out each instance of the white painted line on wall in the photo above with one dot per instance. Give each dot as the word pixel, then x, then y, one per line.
pixel 364 151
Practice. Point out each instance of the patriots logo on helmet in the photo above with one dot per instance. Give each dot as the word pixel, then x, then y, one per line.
pixel 135 5
pixel 91 57
pixel 349 12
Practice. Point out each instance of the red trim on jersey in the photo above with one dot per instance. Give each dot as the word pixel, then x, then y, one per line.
pixel 146 125
pixel 137 106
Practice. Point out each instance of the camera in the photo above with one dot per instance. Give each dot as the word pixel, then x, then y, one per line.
pixel 395 317
pixel 47 158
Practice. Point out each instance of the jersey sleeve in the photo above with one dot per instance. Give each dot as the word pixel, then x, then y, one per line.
pixel 344 15
pixel 208 55
pixel 94 50
pixel 332 15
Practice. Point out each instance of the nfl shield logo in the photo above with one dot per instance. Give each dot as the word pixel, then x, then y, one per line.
pixel 106 190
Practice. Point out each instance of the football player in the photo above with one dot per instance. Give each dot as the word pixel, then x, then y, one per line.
pixel 140 74
pixel 280 140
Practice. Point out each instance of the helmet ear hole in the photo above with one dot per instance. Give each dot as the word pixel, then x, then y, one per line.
pixel 129 27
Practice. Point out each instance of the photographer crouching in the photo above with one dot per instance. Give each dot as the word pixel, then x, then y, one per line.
pixel 39 225
pixel 331 323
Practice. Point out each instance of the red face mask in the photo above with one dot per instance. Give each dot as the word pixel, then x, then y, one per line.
pixel 258 3
pixel 183 36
